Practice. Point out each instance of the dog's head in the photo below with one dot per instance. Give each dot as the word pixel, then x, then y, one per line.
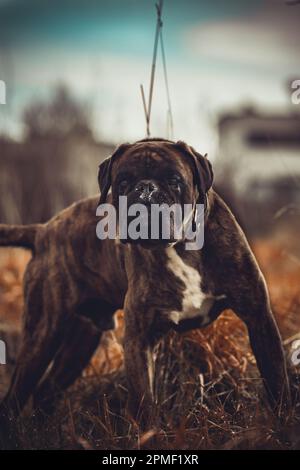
pixel 155 172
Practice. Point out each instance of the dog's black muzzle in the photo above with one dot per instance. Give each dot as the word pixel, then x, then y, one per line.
pixel 145 194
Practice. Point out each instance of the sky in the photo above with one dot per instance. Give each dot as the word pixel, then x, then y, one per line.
pixel 221 55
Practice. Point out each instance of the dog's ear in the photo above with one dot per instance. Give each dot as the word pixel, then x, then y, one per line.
pixel 104 178
pixel 104 173
pixel 202 167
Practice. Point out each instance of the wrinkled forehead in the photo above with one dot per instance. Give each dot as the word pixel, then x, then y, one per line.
pixel 153 159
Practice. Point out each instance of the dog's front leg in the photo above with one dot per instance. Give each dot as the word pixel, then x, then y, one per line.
pixel 139 372
pixel 139 365
pixel 267 347
pixel 266 344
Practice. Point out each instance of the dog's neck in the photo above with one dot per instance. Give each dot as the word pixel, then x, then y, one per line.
pixel 152 260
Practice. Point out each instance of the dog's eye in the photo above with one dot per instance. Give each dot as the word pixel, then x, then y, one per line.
pixel 174 182
pixel 123 184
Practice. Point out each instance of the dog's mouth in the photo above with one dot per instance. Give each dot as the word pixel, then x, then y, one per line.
pixel 149 224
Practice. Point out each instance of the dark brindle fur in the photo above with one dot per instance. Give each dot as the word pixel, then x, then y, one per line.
pixel 75 282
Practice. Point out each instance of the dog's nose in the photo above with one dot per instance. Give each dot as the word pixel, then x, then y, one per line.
pixel 146 187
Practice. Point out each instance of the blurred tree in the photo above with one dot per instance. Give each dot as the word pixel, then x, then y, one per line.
pixel 62 116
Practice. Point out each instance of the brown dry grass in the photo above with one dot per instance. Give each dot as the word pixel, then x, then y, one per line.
pixel 209 393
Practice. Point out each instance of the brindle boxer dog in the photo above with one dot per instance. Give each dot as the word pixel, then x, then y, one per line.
pixel 75 282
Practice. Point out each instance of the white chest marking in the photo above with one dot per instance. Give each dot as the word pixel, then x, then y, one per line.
pixel 195 303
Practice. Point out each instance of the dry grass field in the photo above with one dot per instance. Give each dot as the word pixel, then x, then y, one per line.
pixel 208 390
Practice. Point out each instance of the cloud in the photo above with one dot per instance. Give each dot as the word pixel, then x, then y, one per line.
pixel 267 40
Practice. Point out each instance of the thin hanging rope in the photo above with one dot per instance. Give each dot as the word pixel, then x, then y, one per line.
pixel 147 109
pixel 170 126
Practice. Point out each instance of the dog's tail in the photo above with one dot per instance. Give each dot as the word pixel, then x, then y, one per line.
pixel 19 235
